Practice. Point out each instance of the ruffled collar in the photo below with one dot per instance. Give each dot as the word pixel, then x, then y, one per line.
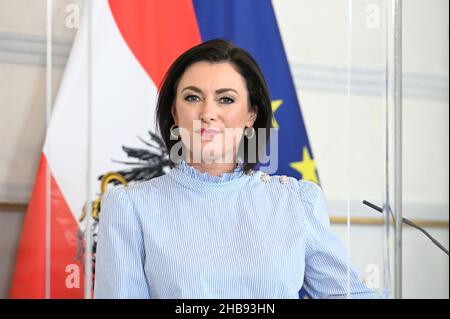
pixel 205 176
pixel 191 177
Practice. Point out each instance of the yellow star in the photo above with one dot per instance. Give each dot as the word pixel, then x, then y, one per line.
pixel 275 105
pixel 306 167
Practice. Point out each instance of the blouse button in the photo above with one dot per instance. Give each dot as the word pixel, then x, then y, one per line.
pixel 284 179
pixel 265 177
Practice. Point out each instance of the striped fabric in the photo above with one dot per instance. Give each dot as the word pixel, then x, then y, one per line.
pixel 188 234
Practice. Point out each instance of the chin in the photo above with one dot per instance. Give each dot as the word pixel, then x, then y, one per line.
pixel 203 148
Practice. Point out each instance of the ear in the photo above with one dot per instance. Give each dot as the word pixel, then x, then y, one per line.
pixel 252 117
pixel 173 111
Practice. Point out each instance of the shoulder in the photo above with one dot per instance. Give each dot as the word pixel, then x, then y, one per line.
pixel 315 210
pixel 135 196
pixel 305 189
pixel 308 191
pixel 285 188
pixel 272 181
pixel 307 194
pixel 121 203
pixel 139 187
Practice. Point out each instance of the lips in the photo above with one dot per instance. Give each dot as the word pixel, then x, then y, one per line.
pixel 208 132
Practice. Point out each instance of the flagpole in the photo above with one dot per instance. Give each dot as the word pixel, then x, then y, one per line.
pixel 393 138
pixel 48 109
pixel 349 108
pixel 88 232
pixel 397 17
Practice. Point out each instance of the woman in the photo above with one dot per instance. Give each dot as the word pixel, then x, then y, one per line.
pixel 214 227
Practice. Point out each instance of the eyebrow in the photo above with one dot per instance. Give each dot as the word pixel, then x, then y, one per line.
pixel 219 91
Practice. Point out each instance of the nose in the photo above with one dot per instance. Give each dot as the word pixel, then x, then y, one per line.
pixel 208 111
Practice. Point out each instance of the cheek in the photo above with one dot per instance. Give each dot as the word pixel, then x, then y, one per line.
pixel 234 119
pixel 185 115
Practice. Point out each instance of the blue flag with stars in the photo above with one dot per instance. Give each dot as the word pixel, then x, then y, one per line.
pixel 252 26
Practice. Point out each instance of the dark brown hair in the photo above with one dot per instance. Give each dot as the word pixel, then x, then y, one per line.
pixel 214 51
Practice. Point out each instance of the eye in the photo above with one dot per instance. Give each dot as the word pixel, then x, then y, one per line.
pixel 192 98
pixel 226 100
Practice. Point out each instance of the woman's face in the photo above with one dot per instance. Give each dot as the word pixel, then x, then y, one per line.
pixel 211 109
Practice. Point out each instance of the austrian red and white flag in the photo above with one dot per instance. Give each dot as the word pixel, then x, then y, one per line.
pixel 133 42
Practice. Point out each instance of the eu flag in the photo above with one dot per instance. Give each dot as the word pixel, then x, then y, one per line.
pixel 252 25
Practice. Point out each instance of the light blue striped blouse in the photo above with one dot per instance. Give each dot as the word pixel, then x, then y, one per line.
pixel 188 234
